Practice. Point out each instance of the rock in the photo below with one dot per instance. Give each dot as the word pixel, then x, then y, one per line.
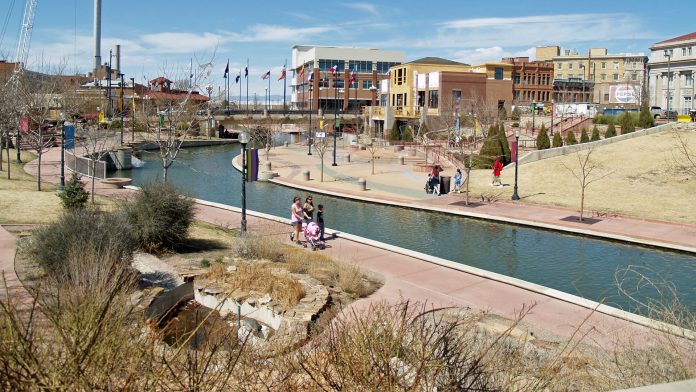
pixel 231 268
pixel 213 290
pixel 251 301
pixel 265 299
pixel 251 324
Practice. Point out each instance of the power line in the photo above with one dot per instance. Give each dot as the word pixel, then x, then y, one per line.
pixel 6 22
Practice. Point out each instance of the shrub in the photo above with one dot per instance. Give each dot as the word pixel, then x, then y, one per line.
pixel 504 144
pixel 627 123
pixel 81 234
pixel 160 216
pixel 645 118
pixel 584 138
pixel 595 134
pixel 611 131
pixel 502 113
pixel 570 139
pixel 407 135
pixel 557 140
pixel 115 124
pixel 516 114
pixel 73 196
pixel 395 133
pixel 542 140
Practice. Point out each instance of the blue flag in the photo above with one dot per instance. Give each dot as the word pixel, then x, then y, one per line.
pixel 227 69
pixel 236 80
pixel 69 137
pixel 246 71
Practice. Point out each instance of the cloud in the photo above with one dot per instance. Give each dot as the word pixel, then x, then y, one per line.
pixel 493 53
pixel 168 42
pixel 364 7
pixel 261 32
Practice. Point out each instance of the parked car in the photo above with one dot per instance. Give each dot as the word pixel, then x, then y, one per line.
pixel 669 114
pixel 656 111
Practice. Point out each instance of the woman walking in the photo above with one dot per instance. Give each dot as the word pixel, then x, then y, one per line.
pixel 296 217
pixel 308 209
pixel 458 181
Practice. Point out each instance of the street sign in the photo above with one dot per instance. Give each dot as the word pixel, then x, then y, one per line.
pixel 321 134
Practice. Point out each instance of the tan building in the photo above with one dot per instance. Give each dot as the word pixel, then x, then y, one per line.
pixel 672 68
pixel 432 86
pixel 617 79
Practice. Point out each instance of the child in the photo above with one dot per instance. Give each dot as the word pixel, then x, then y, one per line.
pixel 458 181
pixel 320 221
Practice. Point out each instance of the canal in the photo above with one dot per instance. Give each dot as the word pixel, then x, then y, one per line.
pixel 577 265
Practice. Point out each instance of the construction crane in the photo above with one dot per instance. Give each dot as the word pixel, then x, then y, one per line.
pixel 25 35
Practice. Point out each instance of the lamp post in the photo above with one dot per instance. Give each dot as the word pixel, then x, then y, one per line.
pixel 121 104
pixel 515 196
pixel 335 118
pixel 583 81
pixel 309 130
pixel 62 151
pixel 668 54
pixel 133 110
pixel 533 116
pixel 209 88
pixel 243 140
pixel 553 109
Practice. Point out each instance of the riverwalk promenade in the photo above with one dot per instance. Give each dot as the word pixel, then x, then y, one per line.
pixel 416 277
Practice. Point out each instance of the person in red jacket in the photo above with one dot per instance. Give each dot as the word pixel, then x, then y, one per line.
pixel 497 168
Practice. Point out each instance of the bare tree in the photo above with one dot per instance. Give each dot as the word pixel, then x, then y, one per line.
pixel 371 147
pixel 98 141
pixel 321 146
pixel 262 133
pixel 685 155
pixel 586 171
pixel 8 122
pixel 175 114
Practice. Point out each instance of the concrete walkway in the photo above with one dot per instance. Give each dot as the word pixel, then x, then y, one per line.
pixel 11 286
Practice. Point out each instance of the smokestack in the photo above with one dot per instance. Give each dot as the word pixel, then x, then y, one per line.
pixel 97 35
pixel 118 59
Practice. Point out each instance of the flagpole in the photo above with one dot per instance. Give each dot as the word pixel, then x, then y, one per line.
pixel 285 84
pixel 227 86
pixel 246 75
pixel 269 90
pixel 240 89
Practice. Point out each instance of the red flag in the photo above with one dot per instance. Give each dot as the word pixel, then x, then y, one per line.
pixel 334 69
pixel 352 77
pixel 282 75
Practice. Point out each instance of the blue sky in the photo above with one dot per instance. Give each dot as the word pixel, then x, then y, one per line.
pixel 159 37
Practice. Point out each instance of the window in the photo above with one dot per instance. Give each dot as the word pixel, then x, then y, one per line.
pixel 570 65
pixel 616 77
pixel 579 64
pixel 634 76
pixel 338 83
pixel 517 78
pixel 559 76
pixel 684 52
pixel 560 65
pixel 604 65
pixel 325 65
pixel 616 65
pixel 383 66
pixel 498 73
pixel 603 77
pixel 689 51
pixel 456 97
pixel 516 95
pixel 360 66
pixel 606 97
pixel 689 79
pixel 433 98
pixel 687 103
pixel 367 84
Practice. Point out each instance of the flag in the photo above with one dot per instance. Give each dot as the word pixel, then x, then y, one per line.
pixel 334 69
pixel 236 80
pixel 246 71
pixel 191 69
pixel 266 75
pixel 282 75
pixel 311 76
pixel 352 77
pixel 301 73
pixel 227 69
pixel 252 163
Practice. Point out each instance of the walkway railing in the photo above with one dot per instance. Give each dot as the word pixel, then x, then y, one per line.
pixel 83 165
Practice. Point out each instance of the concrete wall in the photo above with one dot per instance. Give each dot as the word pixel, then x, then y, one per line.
pixel 559 151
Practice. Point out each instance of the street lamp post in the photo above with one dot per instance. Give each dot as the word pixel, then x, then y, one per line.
pixel 62 152
pixel 133 110
pixel 209 88
pixel 243 140
pixel 668 54
pixel 335 118
pixel 533 116
pixel 516 196
pixel 309 130
pixel 553 109
pixel 121 106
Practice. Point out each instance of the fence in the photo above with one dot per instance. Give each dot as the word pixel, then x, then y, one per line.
pixel 83 165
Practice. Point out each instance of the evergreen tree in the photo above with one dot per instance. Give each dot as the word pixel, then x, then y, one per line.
pixel 516 113
pixel 584 138
pixel 645 120
pixel 557 140
pixel 504 144
pixel 395 133
pixel 73 196
pixel 492 147
pixel 627 123
pixel 570 139
pixel 595 134
pixel 611 131
pixel 542 140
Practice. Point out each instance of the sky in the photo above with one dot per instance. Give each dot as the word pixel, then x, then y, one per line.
pixel 160 37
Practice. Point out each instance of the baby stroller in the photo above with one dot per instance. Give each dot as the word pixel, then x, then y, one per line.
pixel 432 185
pixel 311 233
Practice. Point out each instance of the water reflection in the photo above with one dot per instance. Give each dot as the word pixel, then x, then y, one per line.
pixel 573 264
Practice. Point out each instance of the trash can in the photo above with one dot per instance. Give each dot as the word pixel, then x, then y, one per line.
pixel 445 184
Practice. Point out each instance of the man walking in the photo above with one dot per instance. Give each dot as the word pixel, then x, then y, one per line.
pixel 497 168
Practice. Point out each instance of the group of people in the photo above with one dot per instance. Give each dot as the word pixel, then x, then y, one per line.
pixel 432 185
pixel 300 213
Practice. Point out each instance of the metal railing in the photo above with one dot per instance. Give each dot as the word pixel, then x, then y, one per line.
pixel 83 165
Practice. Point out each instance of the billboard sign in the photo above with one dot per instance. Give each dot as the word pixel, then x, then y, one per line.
pixel 623 94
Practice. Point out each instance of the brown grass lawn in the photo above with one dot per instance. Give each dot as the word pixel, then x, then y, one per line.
pixel 644 180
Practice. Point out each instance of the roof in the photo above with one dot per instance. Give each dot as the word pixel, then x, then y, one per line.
pixel 160 80
pixel 684 37
pixel 435 61
pixel 175 96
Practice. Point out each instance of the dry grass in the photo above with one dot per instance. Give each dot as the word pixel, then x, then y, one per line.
pixel 644 177
pixel 259 279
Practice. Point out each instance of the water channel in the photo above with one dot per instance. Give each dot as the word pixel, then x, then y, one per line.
pixel 577 265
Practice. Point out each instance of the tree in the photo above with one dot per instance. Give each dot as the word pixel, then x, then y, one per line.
pixel 584 138
pixel 685 157
pixel 611 130
pixel 542 140
pixel 321 146
pixel 586 171
pixel 395 133
pixel 492 147
pixel 627 123
pixel 372 148
pixel 516 114
pixel 8 122
pixel 97 143
pixel 595 134
pixel 570 139
pixel 74 196
pixel 557 140
pixel 504 144
pixel 262 134
pixel 645 119
pixel 176 117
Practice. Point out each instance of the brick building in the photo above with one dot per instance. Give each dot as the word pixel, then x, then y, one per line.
pixel 532 81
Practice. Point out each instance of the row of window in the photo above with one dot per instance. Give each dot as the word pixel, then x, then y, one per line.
pixel 532 95
pixel 544 80
pixel 602 77
pixel 581 64
pixel 685 51
pixel 358 66
pixel 340 83
pixel 688 79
